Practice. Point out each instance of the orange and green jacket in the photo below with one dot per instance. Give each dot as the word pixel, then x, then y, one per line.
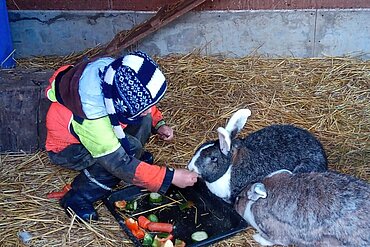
pixel 96 135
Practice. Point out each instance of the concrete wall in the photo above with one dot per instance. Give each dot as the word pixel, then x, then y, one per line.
pixel 275 33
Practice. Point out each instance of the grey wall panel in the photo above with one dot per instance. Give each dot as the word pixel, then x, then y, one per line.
pixel 343 33
pixel 274 33
pixel 37 33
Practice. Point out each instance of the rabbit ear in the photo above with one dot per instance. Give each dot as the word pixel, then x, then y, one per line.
pixel 224 139
pixel 237 122
pixel 233 127
pixel 257 191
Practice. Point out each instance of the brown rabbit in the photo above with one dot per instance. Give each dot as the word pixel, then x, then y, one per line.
pixel 308 209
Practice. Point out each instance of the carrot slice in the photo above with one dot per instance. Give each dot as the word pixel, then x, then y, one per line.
pixel 160 227
pixel 56 195
pixel 67 188
pixel 139 234
pixel 132 224
pixel 143 221
pixel 59 194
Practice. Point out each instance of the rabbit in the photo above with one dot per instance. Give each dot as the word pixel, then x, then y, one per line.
pixel 229 164
pixel 308 209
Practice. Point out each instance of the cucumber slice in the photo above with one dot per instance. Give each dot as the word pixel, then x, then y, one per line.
pixel 131 206
pixel 162 235
pixel 179 243
pixel 168 243
pixel 148 240
pixel 153 218
pixel 156 243
pixel 199 236
pixel 155 197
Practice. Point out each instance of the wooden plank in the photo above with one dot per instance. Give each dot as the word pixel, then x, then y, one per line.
pixel 165 15
pixel 58 5
pixel 22 109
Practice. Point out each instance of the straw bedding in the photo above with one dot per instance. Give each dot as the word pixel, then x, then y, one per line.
pixel 328 96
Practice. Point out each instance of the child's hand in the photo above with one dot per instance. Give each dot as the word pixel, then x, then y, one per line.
pixel 165 133
pixel 183 178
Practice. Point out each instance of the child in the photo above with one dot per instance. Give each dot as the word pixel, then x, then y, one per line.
pixel 103 113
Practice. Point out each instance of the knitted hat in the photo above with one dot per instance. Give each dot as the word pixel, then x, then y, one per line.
pixel 131 85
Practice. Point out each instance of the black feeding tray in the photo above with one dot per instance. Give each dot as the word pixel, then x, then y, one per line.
pixel 210 214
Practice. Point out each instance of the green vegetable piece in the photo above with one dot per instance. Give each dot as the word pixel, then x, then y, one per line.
pixel 179 243
pixel 155 197
pixel 156 243
pixel 186 205
pixel 162 235
pixel 153 218
pixel 148 240
pixel 131 205
pixel 199 236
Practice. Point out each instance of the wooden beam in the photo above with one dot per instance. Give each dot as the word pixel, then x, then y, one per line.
pixel 165 15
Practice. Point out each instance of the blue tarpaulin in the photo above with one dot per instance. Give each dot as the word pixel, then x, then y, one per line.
pixel 6 46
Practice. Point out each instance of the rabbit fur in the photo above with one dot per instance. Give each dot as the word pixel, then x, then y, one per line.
pixel 308 209
pixel 229 164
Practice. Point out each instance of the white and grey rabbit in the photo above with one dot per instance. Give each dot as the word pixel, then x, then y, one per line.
pixel 229 164
pixel 308 209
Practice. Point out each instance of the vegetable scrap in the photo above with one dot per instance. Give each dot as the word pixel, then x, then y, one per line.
pixel 126 205
pixel 134 228
pixel 160 227
pixel 120 204
pixel 131 205
pixel 155 197
pixel 59 194
pixel 139 234
pixel 179 243
pixel 199 236
pixel 154 226
pixel 186 205
pixel 153 218
pixel 131 224
pixel 148 240
pixel 162 241
pixel 149 229
pixel 156 208
pixel 143 222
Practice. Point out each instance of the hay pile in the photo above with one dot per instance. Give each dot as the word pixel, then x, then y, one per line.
pixel 330 97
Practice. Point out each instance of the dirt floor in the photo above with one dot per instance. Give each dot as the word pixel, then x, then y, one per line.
pixel 330 97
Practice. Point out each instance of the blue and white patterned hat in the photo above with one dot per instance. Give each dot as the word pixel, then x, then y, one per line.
pixel 131 85
pixel 134 84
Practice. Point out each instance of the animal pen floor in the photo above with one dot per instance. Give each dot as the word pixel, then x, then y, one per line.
pixel 328 96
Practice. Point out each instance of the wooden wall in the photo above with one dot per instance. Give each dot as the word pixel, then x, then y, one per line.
pixel 23 107
pixel 154 5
